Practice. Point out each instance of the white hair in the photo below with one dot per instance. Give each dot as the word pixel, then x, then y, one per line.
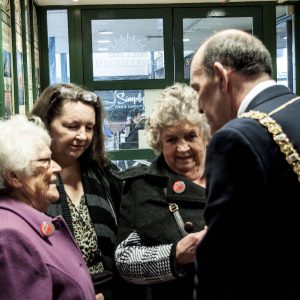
pixel 20 139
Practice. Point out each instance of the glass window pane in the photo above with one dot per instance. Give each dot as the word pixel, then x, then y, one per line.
pixel 281 54
pixel 197 30
pixel 125 118
pixel 58 45
pixel 128 49
pixel 285 46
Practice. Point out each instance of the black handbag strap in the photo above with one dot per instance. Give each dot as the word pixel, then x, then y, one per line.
pixel 174 209
pixel 64 203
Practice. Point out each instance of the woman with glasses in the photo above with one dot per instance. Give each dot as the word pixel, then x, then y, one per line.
pixel 89 193
pixel 33 246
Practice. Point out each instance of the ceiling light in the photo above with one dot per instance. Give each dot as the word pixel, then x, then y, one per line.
pixel 186 40
pixel 102 49
pixel 103 41
pixel 105 32
pixel 216 13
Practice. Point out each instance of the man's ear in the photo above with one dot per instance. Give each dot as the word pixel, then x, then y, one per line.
pixel 12 179
pixel 223 76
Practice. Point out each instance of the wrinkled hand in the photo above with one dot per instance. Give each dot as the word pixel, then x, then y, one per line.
pixel 186 247
pixel 99 296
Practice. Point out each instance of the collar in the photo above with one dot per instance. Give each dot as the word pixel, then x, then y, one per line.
pixel 253 92
pixel 29 214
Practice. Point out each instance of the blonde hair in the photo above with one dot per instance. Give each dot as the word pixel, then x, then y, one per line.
pixel 177 103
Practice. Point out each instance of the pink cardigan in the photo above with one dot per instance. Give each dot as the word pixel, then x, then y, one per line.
pixel 34 266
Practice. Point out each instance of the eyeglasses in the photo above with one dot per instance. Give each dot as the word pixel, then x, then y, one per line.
pixel 46 162
pixel 69 93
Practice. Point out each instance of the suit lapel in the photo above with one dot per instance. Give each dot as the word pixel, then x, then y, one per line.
pixel 270 98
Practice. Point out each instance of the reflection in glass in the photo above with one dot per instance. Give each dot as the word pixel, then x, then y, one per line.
pixel 128 49
pixel 125 118
pixel 281 54
pixel 58 46
pixel 285 45
pixel 197 30
pixel 125 164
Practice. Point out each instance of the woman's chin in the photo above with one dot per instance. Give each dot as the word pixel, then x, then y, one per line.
pixel 186 168
pixel 53 197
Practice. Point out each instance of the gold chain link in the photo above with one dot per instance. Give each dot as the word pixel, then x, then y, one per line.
pixel 283 106
pixel 286 147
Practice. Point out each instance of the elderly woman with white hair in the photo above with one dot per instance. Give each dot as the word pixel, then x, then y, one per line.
pixel 161 216
pixel 33 246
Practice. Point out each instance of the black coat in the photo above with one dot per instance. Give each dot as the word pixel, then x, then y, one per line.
pixel 144 208
pixel 251 249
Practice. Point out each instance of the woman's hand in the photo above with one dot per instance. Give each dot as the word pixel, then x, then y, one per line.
pixel 100 296
pixel 186 247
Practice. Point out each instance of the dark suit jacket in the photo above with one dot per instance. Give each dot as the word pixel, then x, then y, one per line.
pixel 251 250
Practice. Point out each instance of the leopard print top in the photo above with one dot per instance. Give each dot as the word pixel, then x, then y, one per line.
pixel 85 235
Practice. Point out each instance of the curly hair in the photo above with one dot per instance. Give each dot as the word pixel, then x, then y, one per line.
pixel 177 103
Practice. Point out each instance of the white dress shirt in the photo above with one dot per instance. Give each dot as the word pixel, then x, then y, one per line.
pixel 253 92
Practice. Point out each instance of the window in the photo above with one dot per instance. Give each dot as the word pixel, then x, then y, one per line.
pixel 58 46
pixel 125 118
pixel 193 26
pixel 285 45
pixel 127 48
pixel 197 30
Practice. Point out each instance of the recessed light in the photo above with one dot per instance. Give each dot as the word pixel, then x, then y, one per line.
pixel 103 41
pixel 105 32
pixel 186 40
pixel 102 49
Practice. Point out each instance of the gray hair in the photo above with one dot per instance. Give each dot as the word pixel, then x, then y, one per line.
pixel 20 139
pixel 238 50
pixel 176 104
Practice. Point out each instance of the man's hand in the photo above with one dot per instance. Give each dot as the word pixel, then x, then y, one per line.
pixel 99 296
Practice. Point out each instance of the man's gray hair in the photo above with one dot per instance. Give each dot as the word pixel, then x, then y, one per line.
pixel 238 50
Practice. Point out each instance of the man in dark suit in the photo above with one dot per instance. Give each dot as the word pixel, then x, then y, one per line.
pixel 251 249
